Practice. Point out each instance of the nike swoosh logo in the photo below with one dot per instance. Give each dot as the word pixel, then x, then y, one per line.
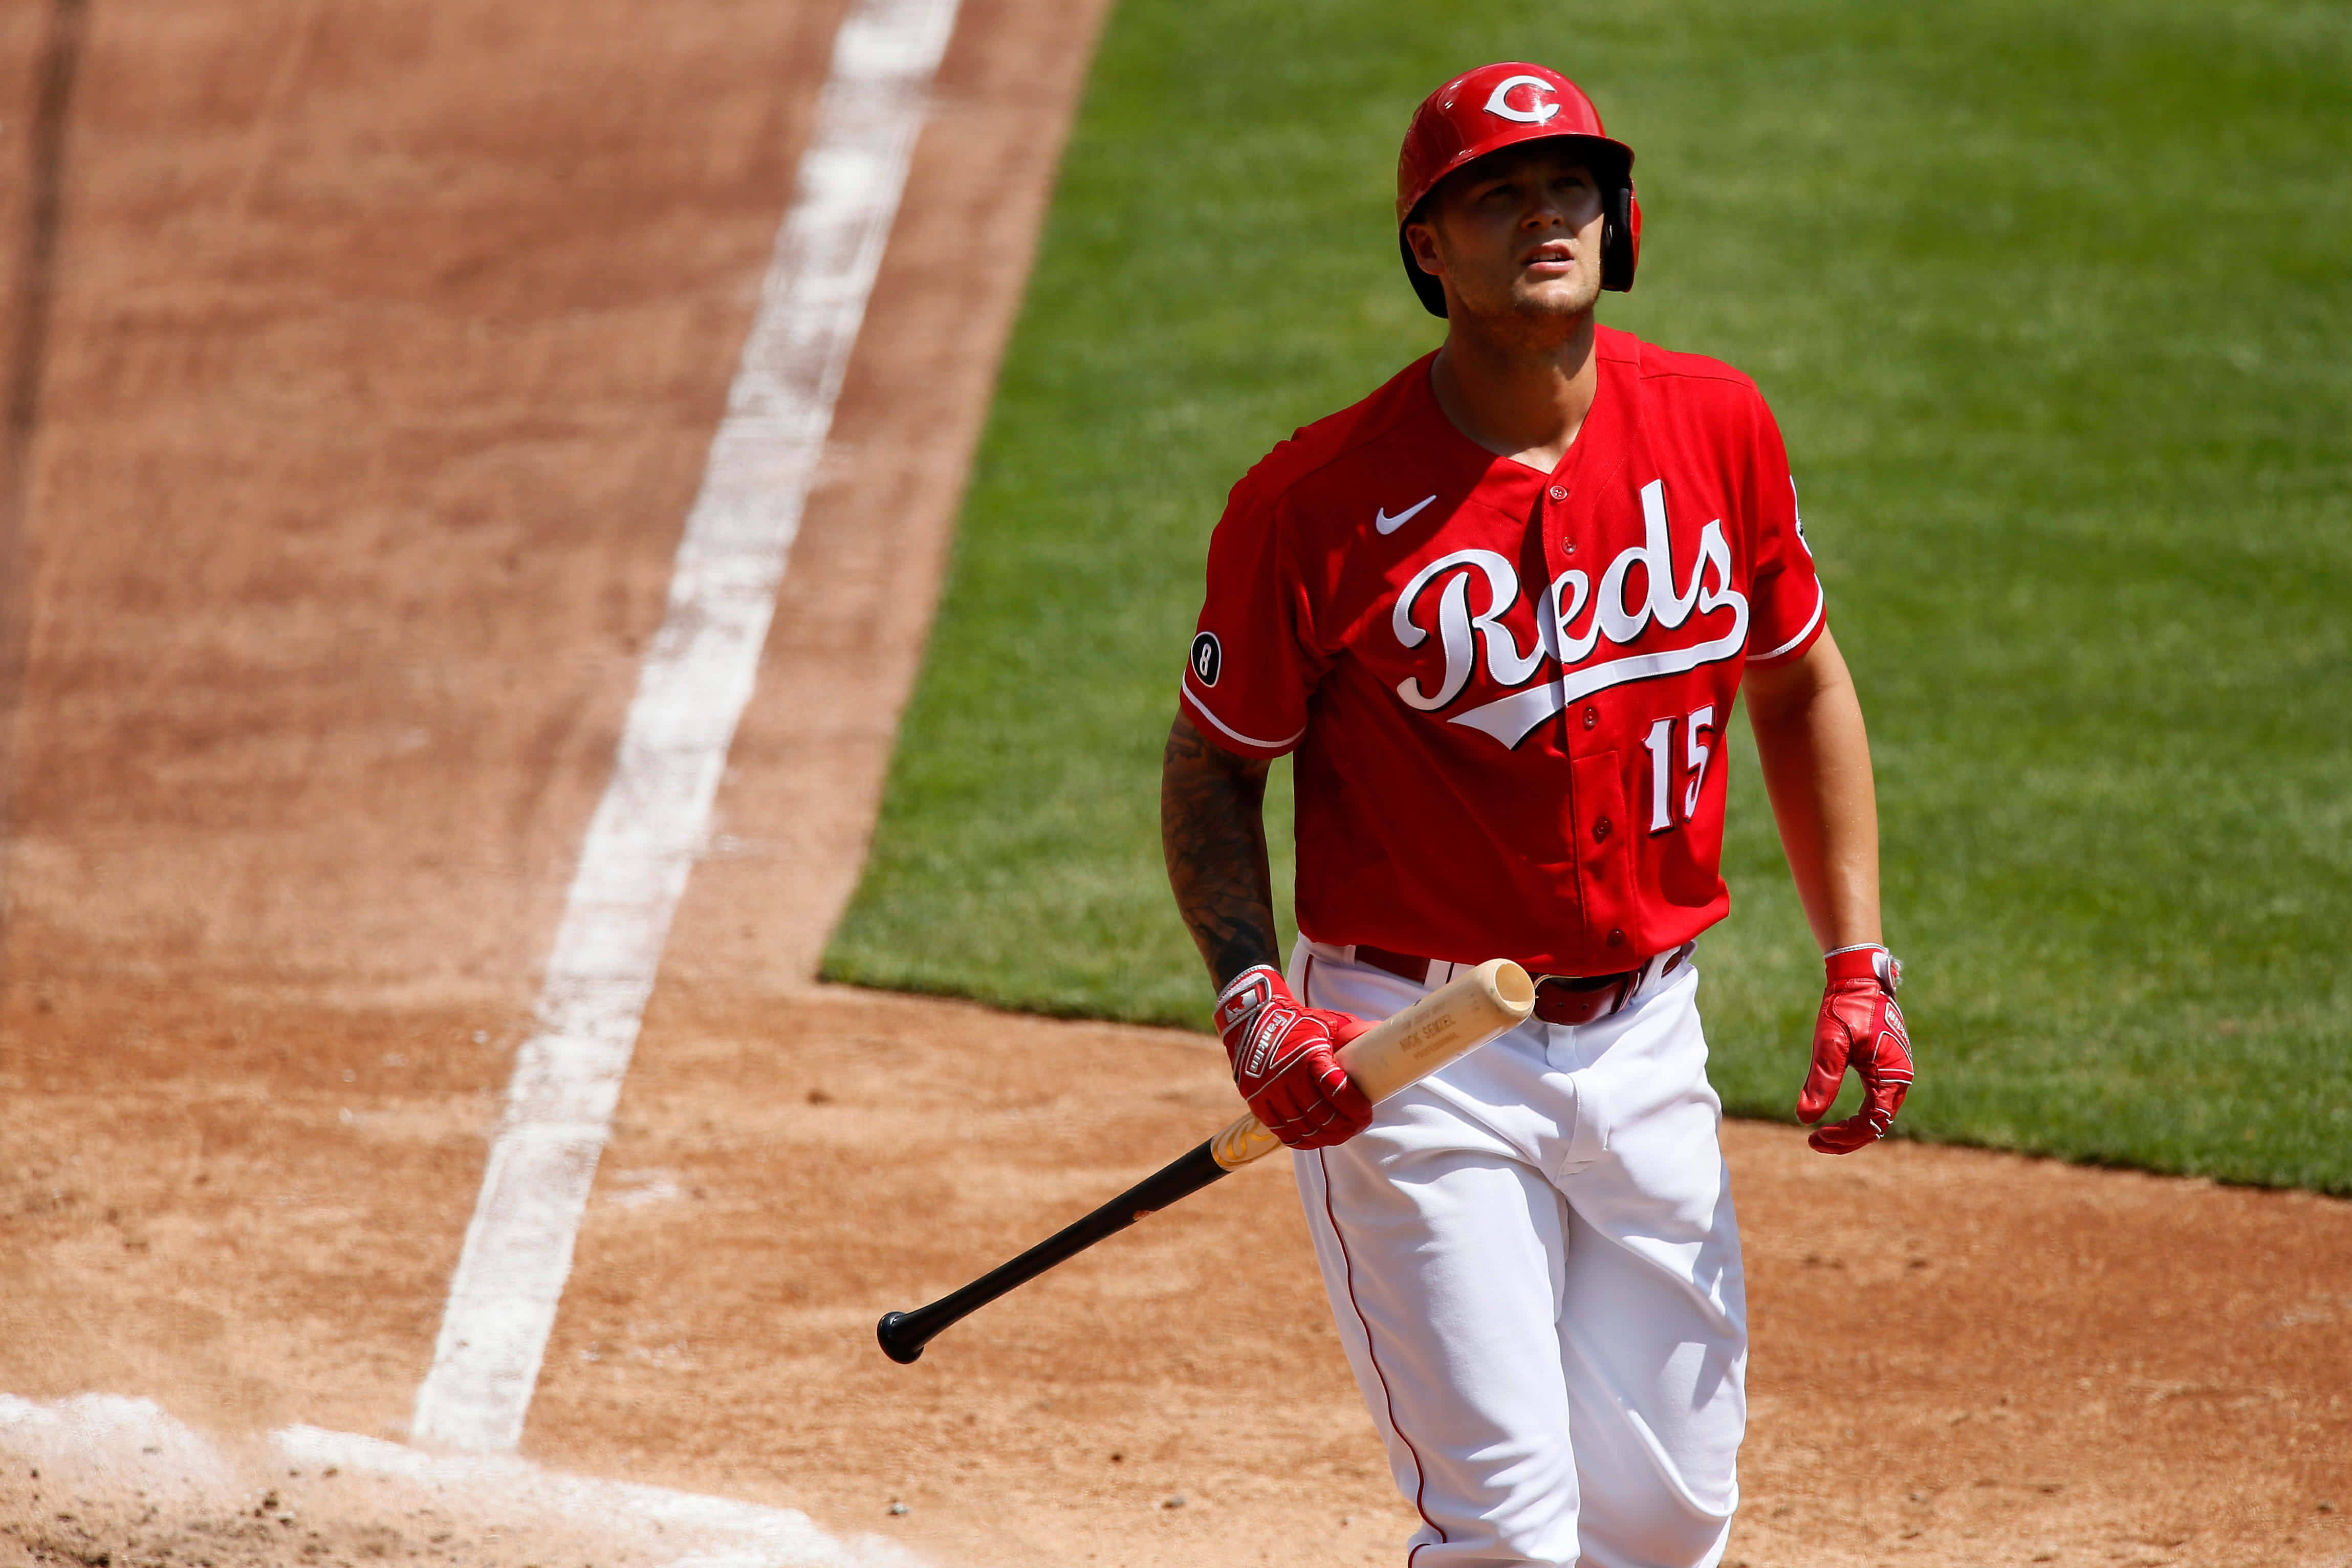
pixel 1387 524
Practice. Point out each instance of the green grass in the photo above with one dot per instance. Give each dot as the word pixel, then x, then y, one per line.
pixel 2054 306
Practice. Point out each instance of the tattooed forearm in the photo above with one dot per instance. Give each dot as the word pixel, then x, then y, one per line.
pixel 1213 831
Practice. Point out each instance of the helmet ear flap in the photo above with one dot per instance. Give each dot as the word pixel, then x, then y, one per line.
pixel 1432 291
pixel 1621 239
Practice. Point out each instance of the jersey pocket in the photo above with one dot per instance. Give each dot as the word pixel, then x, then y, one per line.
pixel 1604 860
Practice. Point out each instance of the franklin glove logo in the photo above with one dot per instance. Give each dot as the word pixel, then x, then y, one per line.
pixel 1267 1037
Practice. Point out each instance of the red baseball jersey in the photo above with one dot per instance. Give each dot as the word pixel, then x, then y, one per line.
pixel 1506 689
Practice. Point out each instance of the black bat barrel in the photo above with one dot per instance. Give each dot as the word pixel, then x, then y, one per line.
pixel 903 1335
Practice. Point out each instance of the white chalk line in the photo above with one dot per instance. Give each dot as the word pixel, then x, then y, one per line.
pixel 133 1445
pixel 691 689
pixel 731 1534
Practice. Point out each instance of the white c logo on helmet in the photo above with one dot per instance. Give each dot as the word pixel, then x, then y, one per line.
pixel 1498 101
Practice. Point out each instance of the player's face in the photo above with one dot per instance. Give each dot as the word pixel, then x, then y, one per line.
pixel 1516 234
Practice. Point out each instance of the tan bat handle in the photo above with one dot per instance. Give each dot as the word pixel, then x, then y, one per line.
pixel 1401 1050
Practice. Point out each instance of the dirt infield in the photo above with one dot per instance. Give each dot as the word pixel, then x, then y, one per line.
pixel 387 343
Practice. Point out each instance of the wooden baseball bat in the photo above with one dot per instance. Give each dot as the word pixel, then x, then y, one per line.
pixel 1394 1054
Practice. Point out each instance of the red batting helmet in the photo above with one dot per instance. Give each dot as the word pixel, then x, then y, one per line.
pixel 1500 106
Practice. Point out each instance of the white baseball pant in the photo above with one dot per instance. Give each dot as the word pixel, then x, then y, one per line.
pixel 1533 1263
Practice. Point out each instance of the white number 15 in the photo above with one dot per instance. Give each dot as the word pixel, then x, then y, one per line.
pixel 1699 738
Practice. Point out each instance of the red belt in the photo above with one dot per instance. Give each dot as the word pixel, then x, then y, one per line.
pixel 1567 999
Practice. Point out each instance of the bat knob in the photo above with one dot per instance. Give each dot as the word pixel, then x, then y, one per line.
pixel 893 1346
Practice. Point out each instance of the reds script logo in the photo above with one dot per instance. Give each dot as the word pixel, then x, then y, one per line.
pixel 1610 625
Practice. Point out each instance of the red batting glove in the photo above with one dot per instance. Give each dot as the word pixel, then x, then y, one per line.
pixel 1860 1027
pixel 1286 1061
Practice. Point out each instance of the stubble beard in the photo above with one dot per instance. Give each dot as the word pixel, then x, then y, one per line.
pixel 1537 318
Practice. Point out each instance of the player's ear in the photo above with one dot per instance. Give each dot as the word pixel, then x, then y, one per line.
pixel 1420 248
pixel 1424 268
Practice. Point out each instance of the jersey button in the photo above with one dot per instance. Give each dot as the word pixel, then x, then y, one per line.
pixel 1617 939
pixel 1600 830
pixel 1560 493
pixel 1591 717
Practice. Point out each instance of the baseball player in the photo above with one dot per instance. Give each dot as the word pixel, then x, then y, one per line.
pixel 1499 611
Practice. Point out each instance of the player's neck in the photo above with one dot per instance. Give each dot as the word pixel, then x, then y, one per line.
pixel 1520 395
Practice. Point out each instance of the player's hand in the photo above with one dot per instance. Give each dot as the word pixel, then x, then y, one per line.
pixel 1286 1061
pixel 1860 1027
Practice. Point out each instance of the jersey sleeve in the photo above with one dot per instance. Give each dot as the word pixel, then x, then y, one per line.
pixel 1252 665
pixel 1788 605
